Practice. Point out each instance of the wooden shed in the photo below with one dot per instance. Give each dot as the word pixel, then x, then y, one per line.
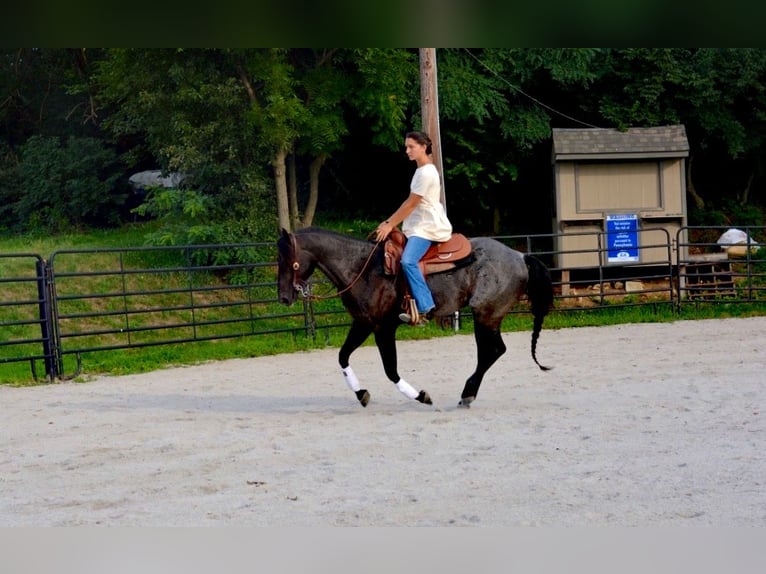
pixel 607 181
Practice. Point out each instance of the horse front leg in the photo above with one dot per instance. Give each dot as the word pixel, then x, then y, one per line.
pixel 489 347
pixel 385 339
pixel 356 336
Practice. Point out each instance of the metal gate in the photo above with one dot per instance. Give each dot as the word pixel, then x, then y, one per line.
pixel 139 297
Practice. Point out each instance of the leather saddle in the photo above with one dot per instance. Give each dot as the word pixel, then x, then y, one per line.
pixel 454 252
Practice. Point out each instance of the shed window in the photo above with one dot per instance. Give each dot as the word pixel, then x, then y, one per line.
pixel 618 186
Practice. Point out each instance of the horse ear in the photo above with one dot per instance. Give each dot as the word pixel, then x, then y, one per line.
pixel 285 233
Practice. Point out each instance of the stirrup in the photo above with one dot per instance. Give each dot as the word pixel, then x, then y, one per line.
pixel 411 316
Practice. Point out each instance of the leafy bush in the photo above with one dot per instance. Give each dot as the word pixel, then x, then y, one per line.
pixel 245 214
pixel 730 213
pixel 185 216
pixel 9 186
pixel 65 185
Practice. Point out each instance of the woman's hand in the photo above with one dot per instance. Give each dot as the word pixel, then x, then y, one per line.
pixel 382 231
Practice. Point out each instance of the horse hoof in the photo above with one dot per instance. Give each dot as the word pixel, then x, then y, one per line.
pixel 363 396
pixel 424 398
pixel 466 402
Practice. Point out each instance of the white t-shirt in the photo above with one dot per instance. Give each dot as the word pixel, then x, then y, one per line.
pixel 428 220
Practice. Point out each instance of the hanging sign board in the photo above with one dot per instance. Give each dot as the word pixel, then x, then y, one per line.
pixel 622 238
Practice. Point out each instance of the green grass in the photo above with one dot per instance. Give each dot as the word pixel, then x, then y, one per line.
pixel 137 360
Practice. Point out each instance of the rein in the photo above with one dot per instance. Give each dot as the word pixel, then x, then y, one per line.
pixel 304 288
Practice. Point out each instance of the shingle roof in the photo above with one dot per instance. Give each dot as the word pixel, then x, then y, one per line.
pixel 592 143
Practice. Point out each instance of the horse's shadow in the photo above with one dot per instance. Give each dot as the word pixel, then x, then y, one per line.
pixel 240 403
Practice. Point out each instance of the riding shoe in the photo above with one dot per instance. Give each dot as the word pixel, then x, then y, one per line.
pixel 422 319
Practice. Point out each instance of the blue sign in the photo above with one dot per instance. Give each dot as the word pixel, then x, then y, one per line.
pixel 622 238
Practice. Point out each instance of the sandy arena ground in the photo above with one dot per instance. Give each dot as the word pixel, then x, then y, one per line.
pixel 647 425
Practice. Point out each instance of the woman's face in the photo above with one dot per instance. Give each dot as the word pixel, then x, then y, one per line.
pixel 414 150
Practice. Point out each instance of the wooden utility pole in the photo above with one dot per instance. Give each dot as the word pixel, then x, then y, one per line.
pixel 429 109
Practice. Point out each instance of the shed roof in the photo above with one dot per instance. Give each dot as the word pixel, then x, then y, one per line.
pixel 635 143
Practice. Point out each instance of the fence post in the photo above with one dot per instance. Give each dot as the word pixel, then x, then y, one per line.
pixel 46 321
pixel 309 321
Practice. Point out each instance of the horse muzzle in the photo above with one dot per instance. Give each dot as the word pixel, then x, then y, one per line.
pixel 285 300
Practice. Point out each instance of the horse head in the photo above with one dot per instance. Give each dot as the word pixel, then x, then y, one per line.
pixel 294 267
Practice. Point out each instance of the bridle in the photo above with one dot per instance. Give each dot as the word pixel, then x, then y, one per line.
pixel 304 287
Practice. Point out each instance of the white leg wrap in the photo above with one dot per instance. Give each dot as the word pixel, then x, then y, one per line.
pixel 351 380
pixel 407 389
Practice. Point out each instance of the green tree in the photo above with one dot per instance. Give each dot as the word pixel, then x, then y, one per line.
pixel 492 123
pixel 255 128
pixel 375 83
pixel 35 98
pixel 39 98
pixel 222 116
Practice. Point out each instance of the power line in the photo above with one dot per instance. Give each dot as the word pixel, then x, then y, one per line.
pixel 526 95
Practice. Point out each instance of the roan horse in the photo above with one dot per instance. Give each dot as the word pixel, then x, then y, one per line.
pixel 490 285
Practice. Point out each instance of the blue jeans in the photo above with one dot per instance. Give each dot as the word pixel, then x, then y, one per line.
pixel 414 250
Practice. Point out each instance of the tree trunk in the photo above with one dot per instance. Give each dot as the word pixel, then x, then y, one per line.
pixel 311 206
pixel 691 190
pixel 280 181
pixel 277 162
pixel 292 187
pixel 745 195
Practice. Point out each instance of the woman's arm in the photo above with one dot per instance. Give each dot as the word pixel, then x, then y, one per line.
pixel 407 207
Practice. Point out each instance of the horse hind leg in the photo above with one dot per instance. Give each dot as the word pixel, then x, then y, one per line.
pixel 489 348
pixel 411 393
pixel 385 339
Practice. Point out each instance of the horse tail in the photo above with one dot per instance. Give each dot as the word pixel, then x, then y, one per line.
pixel 540 294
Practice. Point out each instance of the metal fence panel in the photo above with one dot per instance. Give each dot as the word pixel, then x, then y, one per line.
pixel 609 284
pixel 712 272
pixel 148 296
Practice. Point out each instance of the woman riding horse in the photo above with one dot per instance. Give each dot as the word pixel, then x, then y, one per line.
pixel 424 221
pixel 490 285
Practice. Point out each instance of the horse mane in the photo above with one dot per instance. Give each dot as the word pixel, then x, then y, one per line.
pixel 330 235
pixel 323 231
